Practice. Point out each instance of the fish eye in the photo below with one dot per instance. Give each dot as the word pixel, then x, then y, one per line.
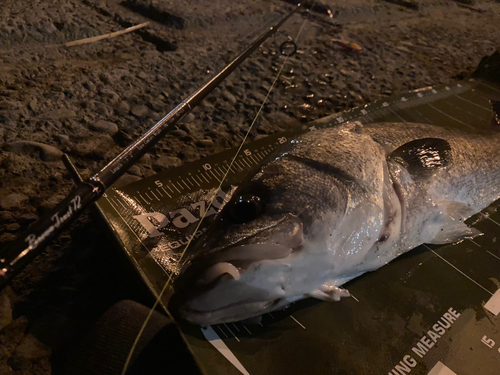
pixel 245 208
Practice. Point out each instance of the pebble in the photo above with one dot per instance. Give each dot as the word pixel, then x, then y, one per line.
pixel 12 201
pixel 179 133
pixel 7 237
pixel 140 110
pixel 229 97
pixel 111 95
pixel 5 309
pixel 12 227
pixel 27 218
pixel 31 349
pixel 257 96
pixel 33 105
pixel 145 160
pixel 122 108
pixel 6 216
pixel 5 369
pixel 14 332
pixel 63 139
pixel 105 78
pixel 166 162
pixel 104 110
pixel 156 105
pixel 238 90
pixel 89 85
pixel 282 120
pixel 205 143
pixel 46 152
pixel 345 73
pixel 135 170
pixel 105 127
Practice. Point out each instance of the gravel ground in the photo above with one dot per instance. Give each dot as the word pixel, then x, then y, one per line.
pixel 90 101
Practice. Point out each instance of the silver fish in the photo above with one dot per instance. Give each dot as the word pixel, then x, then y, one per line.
pixel 331 205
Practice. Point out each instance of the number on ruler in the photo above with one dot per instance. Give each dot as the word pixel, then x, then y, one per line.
pixel 207 167
pixel 488 342
pixel 281 140
pixel 158 183
pixel 247 152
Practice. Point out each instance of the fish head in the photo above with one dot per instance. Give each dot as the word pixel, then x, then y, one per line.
pixel 271 244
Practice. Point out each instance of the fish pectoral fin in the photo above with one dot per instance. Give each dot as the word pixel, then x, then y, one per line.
pixel 329 293
pixel 450 223
pixel 423 157
pixel 455 233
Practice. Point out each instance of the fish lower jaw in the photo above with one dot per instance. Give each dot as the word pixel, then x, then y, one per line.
pixel 228 314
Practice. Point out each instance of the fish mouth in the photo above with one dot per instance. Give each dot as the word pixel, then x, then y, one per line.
pixel 209 289
pixel 236 258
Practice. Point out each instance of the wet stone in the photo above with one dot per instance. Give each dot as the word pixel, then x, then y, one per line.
pixel 122 108
pixel 229 97
pixel 238 90
pixel 12 201
pixel 205 143
pixel 135 170
pixel 145 160
pixel 260 98
pixel 31 349
pixel 6 216
pixel 5 309
pixel 111 95
pixel 45 152
pixel 105 127
pixel 166 162
pixel 103 110
pixel 140 110
pixel 33 105
pixel 179 133
pixel 12 227
pixel 63 139
pixel 27 218
pixel 5 369
pixel 7 237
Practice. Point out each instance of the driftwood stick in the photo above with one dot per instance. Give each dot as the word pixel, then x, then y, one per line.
pixel 105 36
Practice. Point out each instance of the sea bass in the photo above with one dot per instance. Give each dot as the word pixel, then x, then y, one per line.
pixel 331 205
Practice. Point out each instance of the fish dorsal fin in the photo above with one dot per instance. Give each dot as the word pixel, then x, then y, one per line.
pixel 423 157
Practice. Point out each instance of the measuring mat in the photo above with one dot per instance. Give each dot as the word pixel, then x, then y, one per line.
pixel 435 310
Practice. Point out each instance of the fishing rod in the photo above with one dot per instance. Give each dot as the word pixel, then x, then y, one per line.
pixel 21 251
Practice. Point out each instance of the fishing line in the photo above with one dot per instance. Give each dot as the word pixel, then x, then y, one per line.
pixel 160 295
